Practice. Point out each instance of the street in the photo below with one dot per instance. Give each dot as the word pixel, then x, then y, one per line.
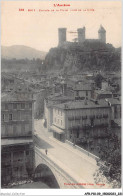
pixel 73 161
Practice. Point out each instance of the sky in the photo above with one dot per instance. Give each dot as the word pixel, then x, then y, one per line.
pixel 39 29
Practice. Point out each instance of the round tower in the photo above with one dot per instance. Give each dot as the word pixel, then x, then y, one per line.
pixel 102 34
pixel 62 35
pixel 81 34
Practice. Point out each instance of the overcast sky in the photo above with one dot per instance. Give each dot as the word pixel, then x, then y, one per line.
pixel 39 29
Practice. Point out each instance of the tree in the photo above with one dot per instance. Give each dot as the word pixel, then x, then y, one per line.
pixel 98 80
pixel 110 164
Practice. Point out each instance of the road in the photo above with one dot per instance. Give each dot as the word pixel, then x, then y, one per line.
pixel 76 163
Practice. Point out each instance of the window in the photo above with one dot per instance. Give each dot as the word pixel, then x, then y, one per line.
pixel 58 121
pixel 61 122
pixel 61 113
pixel 3 117
pixel 10 116
pixel 84 117
pixel 22 105
pixel 115 111
pixel 18 115
pixel 30 105
pixel 16 169
pixel 92 122
pixel 58 111
pixel 10 106
pixel 27 152
pixel 6 106
pixel 15 106
pixel 86 93
pixel 77 93
pixel 23 128
pixel 14 130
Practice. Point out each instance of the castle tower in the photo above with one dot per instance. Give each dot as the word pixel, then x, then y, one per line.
pixel 62 35
pixel 102 34
pixel 81 34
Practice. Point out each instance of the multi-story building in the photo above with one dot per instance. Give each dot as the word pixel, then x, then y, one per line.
pixel 81 121
pixel 51 100
pixel 115 116
pixel 16 136
pixel 82 91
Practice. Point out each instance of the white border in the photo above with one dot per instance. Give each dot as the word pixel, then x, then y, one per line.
pixel 35 192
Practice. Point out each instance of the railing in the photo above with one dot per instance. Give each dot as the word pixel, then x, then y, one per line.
pixel 88 127
pixel 83 150
pixel 71 118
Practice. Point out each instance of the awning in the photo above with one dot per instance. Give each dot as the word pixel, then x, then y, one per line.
pixel 57 130
pixel 9 141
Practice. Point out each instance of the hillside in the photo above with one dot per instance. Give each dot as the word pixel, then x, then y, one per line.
pixel 73 57
pixel 21 52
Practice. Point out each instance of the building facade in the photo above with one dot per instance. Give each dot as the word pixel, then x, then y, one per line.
pixel 51 100
pixel 81 121
pixel 16 136
pixel 82 91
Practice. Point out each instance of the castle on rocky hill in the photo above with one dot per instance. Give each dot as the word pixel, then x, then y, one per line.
pixel 81 35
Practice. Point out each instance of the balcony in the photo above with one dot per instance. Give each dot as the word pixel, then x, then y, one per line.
pixel 92 117
pixel 71 118
pixel 99 116
pixel 74 118
pixel 102 125
pixel 87 127
pixel 84 117
pixel 105 115
pixel 77 117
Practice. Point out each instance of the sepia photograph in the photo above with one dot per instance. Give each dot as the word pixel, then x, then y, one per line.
pixel 61 95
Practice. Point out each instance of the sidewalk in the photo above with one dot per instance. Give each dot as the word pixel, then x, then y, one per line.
pixel 77 164
pixel 74 150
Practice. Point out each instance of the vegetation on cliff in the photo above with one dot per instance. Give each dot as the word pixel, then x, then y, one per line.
pixel 87 56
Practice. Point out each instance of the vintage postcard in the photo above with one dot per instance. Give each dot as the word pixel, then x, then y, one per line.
pixel 61 97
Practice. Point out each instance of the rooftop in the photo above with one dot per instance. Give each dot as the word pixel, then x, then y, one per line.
pixel 103 92
pixel 114 101
pixel 80 104
pixel 59 96
pixel 16 96
pixel 83 87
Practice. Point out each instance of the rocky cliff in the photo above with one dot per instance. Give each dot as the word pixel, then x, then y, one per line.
pixel 74 57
